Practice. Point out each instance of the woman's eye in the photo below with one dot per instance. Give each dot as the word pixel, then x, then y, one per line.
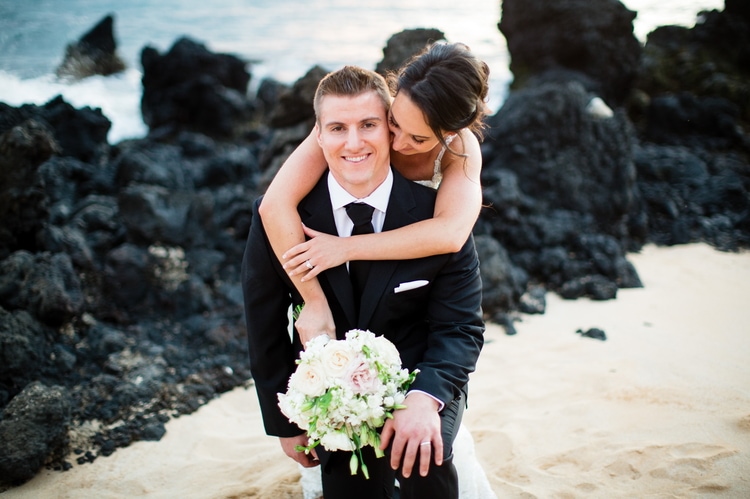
pixel 393 123
pixel 419 141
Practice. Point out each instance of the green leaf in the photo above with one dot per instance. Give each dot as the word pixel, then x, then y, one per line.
pixel 297 310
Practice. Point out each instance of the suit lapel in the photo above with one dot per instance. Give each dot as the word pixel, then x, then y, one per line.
pixel 315 211
pixel 398 214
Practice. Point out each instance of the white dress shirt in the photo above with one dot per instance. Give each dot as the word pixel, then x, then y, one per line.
pixel 378 199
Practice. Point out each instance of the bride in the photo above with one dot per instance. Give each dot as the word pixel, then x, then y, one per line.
pixel 436 120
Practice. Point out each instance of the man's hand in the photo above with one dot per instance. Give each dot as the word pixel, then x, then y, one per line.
pixel 289 444
pixel 411 429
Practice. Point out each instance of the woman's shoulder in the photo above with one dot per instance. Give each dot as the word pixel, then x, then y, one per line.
pixel 463 147
pixel 466 142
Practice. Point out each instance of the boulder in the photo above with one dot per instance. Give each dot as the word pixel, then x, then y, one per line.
pixel 23 147
pixel 191 88
pixel 590 41
pixel 22 351
pixel 692 195
pixel 503 283
pixel 45 284
pixel 295 104
pixel 403 45
pixel 563 155
pixel 95 53
pixel 709 62
pixel 80 133
pixel 33 427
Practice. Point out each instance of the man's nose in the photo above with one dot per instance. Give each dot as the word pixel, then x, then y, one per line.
pixel 353 139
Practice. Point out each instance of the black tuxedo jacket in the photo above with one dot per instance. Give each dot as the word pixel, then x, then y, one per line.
pixel 437 327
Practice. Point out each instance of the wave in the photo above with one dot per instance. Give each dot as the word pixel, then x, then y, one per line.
pixel 117 96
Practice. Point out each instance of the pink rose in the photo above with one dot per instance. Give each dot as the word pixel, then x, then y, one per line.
pixel 362 379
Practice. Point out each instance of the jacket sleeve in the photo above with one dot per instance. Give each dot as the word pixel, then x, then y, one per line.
pixel 456 327
pixel 272 354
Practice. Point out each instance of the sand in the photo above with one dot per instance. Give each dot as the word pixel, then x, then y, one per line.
pixel 660 409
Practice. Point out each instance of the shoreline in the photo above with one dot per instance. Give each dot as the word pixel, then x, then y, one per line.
pixel 659 409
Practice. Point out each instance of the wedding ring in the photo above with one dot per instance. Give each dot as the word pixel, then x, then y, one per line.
pixel 309 265
pixel 426 442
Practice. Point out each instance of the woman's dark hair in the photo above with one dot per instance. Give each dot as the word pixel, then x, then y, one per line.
pixel 449 84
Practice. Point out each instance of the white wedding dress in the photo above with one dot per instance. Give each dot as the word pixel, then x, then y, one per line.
pixel 472 481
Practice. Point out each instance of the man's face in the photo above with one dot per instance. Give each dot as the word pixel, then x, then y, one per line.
pixel 354 135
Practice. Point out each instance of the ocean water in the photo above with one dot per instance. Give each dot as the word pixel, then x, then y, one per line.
pixel 281 39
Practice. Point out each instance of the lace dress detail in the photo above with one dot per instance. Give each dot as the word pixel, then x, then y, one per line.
pixel 437 172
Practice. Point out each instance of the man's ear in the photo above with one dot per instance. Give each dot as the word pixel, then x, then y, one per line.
pixel 317 135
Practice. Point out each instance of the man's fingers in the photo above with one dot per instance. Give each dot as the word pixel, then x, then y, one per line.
pixel 425 454
pixel 386 434
pixel 308 461
pixel 289 446
pixel 437 451
pixel 408 463
pixel 398 452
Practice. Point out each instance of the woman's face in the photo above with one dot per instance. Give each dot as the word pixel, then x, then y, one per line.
pixel 411 133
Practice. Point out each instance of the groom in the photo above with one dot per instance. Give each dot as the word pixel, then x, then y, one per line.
pixel 428 307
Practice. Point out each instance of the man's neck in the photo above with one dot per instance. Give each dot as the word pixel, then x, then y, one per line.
pixel 378 197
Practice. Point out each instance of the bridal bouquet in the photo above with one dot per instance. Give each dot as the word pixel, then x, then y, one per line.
pixel 343 391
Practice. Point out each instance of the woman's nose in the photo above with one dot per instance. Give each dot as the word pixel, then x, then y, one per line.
pixel 397 143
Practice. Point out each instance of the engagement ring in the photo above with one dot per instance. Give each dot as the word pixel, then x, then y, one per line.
pixel 425 443
pixel 309 265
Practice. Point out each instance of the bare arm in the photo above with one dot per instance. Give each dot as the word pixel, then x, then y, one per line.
pixel 457 207
pixel 278 209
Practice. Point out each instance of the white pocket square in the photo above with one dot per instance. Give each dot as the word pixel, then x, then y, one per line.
pixel 406 286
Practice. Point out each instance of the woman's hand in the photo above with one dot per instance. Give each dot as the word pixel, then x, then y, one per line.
pixel 323 251
pixel 315 319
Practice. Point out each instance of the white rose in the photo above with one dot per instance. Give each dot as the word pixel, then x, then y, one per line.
pixel 336 440
pixel 386 351
pixel 308 379
pixel 290 407
pixel 336 357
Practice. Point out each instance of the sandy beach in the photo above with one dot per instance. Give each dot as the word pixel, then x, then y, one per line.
pixel 660 409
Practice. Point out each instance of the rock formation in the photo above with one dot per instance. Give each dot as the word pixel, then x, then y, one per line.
pixel 120 300
pixel 94 54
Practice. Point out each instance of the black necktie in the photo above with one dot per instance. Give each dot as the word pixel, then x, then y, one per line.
pixel 361 215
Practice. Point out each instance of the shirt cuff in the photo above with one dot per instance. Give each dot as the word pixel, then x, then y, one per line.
pixel 441 405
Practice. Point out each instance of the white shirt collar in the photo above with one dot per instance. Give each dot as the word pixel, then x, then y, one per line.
pixel 378 199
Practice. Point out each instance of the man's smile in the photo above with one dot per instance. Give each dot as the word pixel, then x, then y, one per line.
pixel 356 159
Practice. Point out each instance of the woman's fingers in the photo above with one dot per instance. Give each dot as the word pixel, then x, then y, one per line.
pixel 323 251
pixel 295 251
